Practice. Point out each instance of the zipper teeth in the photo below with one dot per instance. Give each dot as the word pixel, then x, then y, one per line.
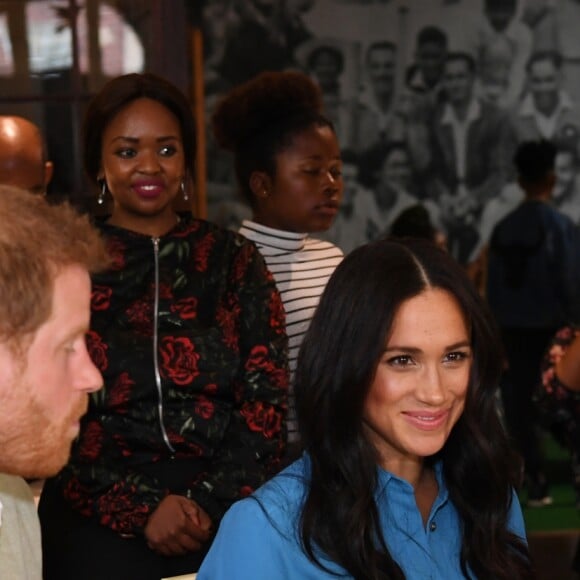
pixel 156 350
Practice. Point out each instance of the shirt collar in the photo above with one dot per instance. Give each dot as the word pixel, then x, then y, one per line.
pixel 528 109
pixel 262 234
pixel 473 113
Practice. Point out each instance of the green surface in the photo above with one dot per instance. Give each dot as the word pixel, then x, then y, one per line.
pixel 562 514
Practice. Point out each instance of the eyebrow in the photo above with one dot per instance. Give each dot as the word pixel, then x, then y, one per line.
pixel 137 139
pixel 415 350
pixel 320 157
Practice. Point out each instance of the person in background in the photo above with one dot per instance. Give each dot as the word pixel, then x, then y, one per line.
pixel 532 288
pixel 325 64
pixel 265 37
pixel 566 194
pixel 424 75
pixel 187 329
pixel 384 115
pixel 379 119
pixel 502 45
pixel 470 143
pixel 23 157
pixel 289 169
pixel 46 254
pixel 546 110
pixel 408 472
pixel 357 211
pixel 558 398
pixel 390 174
pixel 324 60
pixel 415 222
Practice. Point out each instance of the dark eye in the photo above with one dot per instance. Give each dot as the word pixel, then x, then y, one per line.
pixel 401 360
pixel 126 153
pixel 312 170
pixel 168 151
pixel 457 356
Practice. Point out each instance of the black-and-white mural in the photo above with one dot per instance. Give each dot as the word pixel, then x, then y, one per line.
pixel 429 99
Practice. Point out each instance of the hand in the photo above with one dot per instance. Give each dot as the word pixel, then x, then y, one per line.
pixel 177 526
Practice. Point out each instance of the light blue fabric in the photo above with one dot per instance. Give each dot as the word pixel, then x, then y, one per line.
pixel 258 537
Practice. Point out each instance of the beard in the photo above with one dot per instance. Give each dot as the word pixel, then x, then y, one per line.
pixel 34 443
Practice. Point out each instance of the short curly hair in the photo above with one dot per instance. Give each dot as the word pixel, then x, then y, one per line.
pixel 259 119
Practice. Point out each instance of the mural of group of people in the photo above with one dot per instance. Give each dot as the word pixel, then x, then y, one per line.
pixel 429 99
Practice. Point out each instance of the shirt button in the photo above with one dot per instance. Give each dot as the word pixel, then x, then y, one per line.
pixel 432 526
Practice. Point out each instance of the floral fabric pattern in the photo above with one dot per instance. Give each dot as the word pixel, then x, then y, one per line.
pixel 210 424
pixel 559 406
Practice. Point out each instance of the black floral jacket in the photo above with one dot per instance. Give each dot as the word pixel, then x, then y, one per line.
pixel 188 333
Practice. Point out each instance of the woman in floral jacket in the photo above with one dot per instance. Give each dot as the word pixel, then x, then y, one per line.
pixel 188 332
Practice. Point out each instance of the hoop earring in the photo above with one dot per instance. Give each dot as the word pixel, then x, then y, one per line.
pixel 184 191
pixel 102 193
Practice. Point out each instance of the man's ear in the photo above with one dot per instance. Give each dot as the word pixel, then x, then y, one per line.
pixel 260 184
pixel 48 171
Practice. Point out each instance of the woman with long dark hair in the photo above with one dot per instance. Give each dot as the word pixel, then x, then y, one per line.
pixel 407 472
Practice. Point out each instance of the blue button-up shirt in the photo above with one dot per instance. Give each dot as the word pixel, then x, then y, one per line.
pixel 259 540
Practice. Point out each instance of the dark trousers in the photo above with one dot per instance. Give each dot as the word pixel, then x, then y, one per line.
pixel 76 547
pixel 524 348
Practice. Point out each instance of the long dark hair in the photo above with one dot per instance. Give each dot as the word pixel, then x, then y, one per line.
pixel 336 367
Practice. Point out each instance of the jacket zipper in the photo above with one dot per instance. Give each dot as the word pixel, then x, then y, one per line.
pixel 156 348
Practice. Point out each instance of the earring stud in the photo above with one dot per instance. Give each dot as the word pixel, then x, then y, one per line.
pixel 184 191
pixel 102 193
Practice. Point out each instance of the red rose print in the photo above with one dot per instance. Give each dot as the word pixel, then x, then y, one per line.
pixel 76 494
pixel 116 250
pixel 179 360
pixel 210 389
pixel 195 450
pixel 277 314
pixel 259 360
pixel 192 227
pixel 262 418
pixel 98 350
pixel 257 356
pixel 122 445
pixel 120 393
pixel 140 315
pixel 227 318
pixel 186 308
pixel 165 292
pixel 204 408
pixel 120 499
pixel 191 450
pixel 241 262
pixel 91 441
pixel 101 297
pixel 278 378
pixel 202 251
pixel 176 438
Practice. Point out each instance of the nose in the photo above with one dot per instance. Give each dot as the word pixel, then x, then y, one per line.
pixel 87 377
pixel 148 162
pixel 331 183
pixel 430 389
